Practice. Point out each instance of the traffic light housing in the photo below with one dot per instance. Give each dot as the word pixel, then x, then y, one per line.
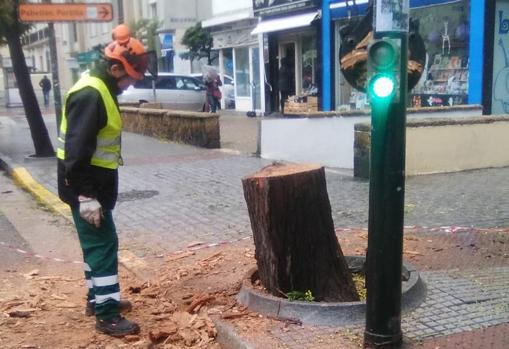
pixel 384 71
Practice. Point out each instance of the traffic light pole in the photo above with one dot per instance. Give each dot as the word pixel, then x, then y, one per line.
pixel 386 198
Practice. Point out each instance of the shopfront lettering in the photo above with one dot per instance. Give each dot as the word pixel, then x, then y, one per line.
pixel 273 7
pixel 503 23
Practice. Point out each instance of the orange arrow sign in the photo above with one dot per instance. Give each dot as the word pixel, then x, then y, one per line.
pixel 72 12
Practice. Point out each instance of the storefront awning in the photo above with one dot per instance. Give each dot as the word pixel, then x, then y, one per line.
pixel 274 25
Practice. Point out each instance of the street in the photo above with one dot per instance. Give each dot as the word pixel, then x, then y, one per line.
pixel 175 197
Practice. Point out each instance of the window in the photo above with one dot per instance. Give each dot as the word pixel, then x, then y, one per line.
pixel 309 64
pixel 190 84
pixel 153 10
pixel 74 32
pixel 242 76
pixel 166 83
pixel 145 83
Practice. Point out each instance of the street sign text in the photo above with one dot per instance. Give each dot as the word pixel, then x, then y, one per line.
pixel 71 12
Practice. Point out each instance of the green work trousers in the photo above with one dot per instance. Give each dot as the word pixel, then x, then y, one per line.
pixel 100 253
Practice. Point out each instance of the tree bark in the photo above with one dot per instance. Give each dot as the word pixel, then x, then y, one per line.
pixel 296 248
pixel 38 131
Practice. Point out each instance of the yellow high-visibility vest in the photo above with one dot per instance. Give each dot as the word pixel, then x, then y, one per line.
pixel 107 153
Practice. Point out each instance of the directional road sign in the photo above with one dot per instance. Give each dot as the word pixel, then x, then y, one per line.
pixel 69 12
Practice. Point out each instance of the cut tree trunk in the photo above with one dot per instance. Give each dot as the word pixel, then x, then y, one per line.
pixel 296 247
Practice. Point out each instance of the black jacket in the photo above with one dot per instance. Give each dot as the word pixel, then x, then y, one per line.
pixel 283 81
pixel 45 84
pixel 86 115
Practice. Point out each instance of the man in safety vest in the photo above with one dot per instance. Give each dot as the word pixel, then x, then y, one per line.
pixel 88 158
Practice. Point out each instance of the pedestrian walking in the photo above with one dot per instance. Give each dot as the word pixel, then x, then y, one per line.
pixel 283 82
pixel 214 93
pixel 88 158
pixel 45 84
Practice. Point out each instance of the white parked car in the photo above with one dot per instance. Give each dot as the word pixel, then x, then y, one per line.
pixel 173 91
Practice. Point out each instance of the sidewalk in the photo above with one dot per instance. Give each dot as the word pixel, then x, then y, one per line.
pixel 173 195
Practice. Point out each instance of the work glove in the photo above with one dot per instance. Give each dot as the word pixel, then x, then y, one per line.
pixel 90 210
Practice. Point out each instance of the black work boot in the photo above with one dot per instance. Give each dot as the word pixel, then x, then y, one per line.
pixel 117 326
pixel 124 306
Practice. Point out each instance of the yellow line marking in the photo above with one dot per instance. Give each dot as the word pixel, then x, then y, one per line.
pixel 23 178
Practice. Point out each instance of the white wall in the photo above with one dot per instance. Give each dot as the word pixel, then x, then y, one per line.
pixel 325 140
pixel 225 6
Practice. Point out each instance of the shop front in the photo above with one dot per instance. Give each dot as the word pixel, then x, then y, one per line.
pixel 289 35
pixel 239 58
pixel 445 27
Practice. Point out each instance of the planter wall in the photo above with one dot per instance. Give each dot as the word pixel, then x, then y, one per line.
pixel 443 145
pixel 327 138
pixel 198 129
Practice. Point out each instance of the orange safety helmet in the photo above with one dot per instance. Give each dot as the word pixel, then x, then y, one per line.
pixel 130 52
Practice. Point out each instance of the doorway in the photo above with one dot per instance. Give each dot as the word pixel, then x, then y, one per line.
pixel 287 50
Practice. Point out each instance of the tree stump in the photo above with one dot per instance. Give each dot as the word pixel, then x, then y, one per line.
pixel 296 248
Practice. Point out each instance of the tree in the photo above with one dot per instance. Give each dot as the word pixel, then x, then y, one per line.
pixel 11 31
pixel 296 248
pixel 199 44
pixel 146 31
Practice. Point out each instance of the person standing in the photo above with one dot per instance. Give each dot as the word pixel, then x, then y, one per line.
pixel 214 93
pixel 88 155
pixel 283 82
pixel 45 84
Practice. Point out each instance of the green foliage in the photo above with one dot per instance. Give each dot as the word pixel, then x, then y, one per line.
pixel 9 23
pixel 145 30
pixel 198 42
pixel 300 296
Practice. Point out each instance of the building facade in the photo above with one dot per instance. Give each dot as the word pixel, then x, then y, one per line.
pixel 307 34
pixel 77 42
pixel 231 25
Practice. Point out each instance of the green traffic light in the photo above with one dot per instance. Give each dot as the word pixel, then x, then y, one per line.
pixel 382 86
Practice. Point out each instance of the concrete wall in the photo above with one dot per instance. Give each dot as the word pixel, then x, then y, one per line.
pixel 444 145
pixel 199 129
pixel 435 147
pixel 328 138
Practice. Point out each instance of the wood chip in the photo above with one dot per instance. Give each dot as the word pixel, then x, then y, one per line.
pixel 66 305
pixel 180 256
pixel 131 338
pixel 233 315
pixel 194 244
pixel 57 297
pixel 212 257
pixel 19 314
pixel 162 333
pixel 198 301
pixel 413 253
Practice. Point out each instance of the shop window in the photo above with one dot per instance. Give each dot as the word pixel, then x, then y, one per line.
pixel 242 76
pixel 445 31
pixel 228 61
pixel 309 56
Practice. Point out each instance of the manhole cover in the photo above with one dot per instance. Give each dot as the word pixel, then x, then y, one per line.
pixel 136 195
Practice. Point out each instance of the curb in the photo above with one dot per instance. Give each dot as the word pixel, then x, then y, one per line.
pixel 23 179
pixel 227 337
pixel 340 314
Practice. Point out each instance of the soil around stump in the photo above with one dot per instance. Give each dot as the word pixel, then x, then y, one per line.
pixel 327 313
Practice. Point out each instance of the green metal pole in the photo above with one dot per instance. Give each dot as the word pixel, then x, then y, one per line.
pixel 386 208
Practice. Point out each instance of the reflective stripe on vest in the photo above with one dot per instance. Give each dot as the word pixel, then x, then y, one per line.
pixel 107 153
